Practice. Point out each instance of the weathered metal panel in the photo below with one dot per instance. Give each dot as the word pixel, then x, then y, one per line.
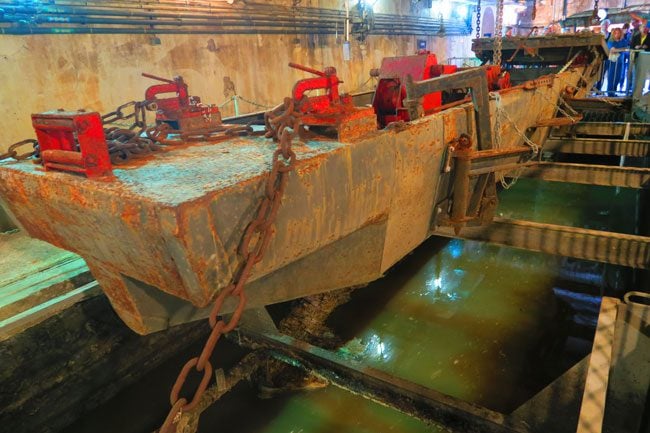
pixel 418 156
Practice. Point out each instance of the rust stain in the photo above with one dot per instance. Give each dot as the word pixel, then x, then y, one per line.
pixel 131 215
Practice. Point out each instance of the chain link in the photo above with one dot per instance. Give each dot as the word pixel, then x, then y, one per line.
pixel 13 153
pixel 257 104
pixel 478 19
pixel 138 114
pixel 253 245
pixel 498 37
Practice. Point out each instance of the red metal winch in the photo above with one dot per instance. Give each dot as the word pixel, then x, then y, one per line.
pixel 182 111
pixel 72 141
pixel 391 90
pixel 330 109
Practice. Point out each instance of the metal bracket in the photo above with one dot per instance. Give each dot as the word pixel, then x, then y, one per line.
pixel 473 79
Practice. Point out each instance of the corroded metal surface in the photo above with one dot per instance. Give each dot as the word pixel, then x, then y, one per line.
pixel 161 238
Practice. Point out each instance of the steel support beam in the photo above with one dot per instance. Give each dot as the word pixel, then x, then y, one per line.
pixel 473 79
pixel 602 175
pixel 600 246
pixel 408 397
pixel 605 129
pixel 598 146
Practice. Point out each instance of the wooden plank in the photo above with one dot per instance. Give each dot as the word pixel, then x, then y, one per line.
pixel 25 319
pixel 592 410
pixel 34 273
pixel 629 378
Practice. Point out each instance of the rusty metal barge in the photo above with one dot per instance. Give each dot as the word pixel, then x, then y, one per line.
pixel 316 195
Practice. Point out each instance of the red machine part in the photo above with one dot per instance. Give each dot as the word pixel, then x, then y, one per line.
pixel 182 111
pixel 497 79
pixel 330 110
pixel 72 141
pixel 391 91
pixel 326 80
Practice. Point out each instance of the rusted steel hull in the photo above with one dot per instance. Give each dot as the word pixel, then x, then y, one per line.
pixel 162 237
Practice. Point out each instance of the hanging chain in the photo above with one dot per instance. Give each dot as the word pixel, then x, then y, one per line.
pixel 478 19
pixel 498 39
pixel 594 15
pixel 253 245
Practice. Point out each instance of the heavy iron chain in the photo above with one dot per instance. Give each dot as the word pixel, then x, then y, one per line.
pixel 478 19
pixel 253 245
pixel 127 143
pixel 138 114
pixel 12 151
pixel 498 39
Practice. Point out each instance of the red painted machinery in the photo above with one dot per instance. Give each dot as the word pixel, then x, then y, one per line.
pixel 391 89
pixel 72 141
pixel 497 79
pixel 388 101
pixel 330 109
pixel 182 112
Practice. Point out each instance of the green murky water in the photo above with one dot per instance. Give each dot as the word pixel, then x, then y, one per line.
pixel 590 207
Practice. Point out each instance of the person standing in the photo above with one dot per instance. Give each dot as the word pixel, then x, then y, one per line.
pixel 616 44
pixel 640 40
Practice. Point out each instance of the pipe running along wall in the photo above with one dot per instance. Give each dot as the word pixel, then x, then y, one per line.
pixel 166 17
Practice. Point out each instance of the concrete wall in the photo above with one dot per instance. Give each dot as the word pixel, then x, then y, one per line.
pixel 100 72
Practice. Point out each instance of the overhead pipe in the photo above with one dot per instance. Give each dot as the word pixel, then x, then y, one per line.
pixel 319 12
pixel 56 18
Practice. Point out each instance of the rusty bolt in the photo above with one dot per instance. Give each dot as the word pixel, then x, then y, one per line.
pixel 464 142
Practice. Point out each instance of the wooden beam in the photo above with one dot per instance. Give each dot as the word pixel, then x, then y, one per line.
pixel 592 411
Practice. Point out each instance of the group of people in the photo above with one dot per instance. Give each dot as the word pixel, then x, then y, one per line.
pixel 620 41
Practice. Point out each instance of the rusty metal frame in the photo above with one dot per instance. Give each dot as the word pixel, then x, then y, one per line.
pixel 601 175
pixel 585 244
pixel 473 79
